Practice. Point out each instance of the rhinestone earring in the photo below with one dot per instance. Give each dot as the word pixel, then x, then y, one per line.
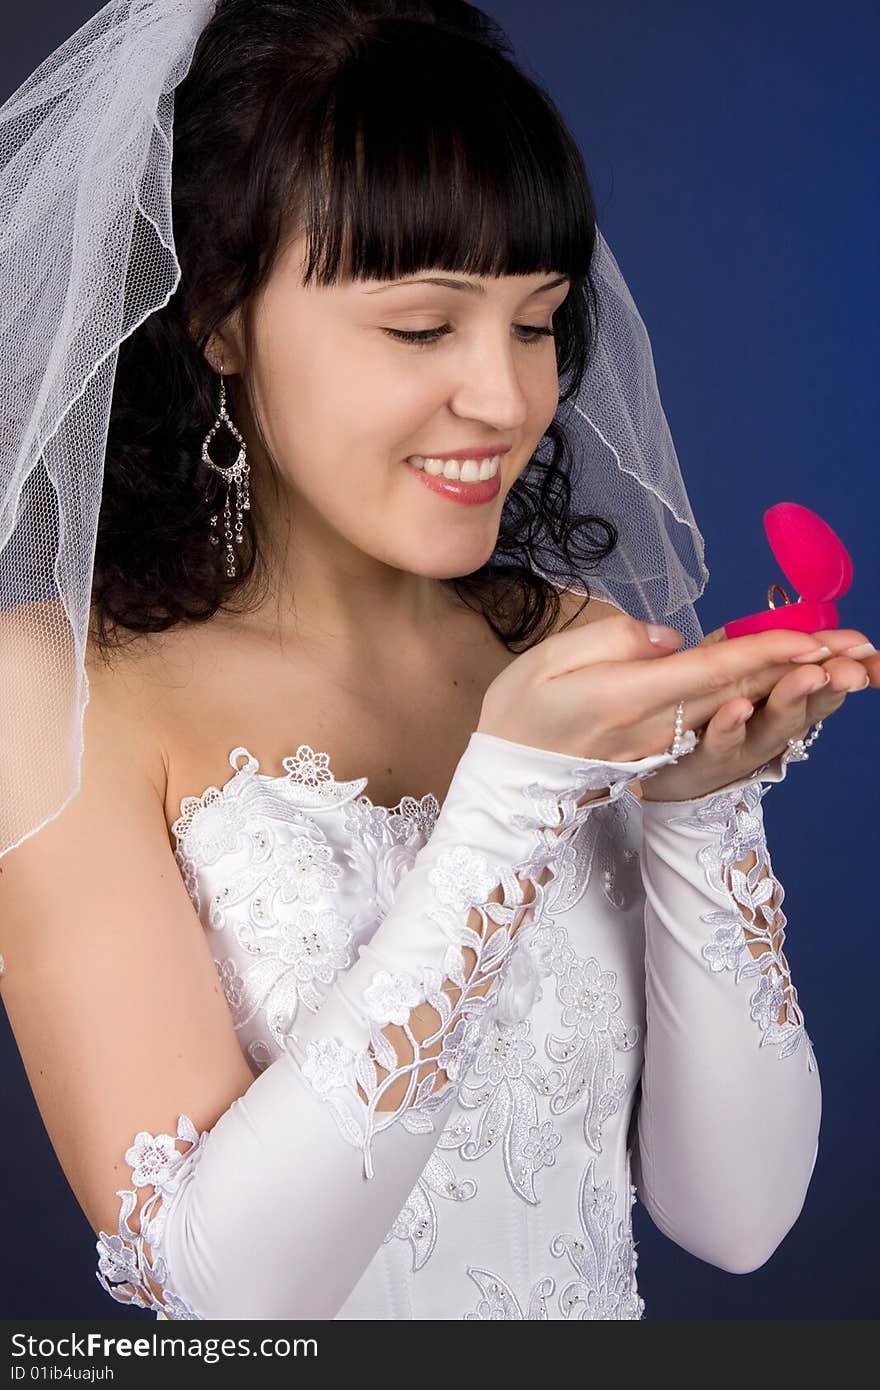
pixel 240 472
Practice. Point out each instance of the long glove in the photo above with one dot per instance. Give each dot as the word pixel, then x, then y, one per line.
pixel 729 1114
pixel 267 1214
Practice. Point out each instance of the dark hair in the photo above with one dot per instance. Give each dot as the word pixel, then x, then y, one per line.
pixel 395 135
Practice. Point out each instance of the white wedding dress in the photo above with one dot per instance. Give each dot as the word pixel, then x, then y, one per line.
pixel 630 1044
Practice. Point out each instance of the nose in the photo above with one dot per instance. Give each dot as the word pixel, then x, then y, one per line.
pixel 489 387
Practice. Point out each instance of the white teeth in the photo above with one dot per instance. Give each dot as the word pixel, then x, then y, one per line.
pixel 464 470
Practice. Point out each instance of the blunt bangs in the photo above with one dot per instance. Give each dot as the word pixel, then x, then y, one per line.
pixel 429 150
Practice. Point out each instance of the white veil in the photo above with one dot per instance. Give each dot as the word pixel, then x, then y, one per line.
pixel 87 253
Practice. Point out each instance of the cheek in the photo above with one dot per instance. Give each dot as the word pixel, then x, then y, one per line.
pixel 336 411
pixel 320 398
pixel 543 394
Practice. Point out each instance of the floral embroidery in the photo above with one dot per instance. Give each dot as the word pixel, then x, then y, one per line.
pixel 390 997
pixel 389 825
pixel 600 850
pixel 604 1258
pixel 462 878
pixel 505 1082
pixel 381 848
pixel 490 1046
pixel 590 1008
pixel 734 819
pixel 232 982
pixel 416 1222
pixel 226 819
pixel 123 1265
pixel 308 767
pixel 296 944
pixel 328 1065
pixel 500 1304
pixel 540 1145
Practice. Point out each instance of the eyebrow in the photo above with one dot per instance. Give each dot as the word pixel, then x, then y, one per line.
pixel 469 285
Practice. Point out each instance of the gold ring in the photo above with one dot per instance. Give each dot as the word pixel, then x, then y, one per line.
pixel 770 603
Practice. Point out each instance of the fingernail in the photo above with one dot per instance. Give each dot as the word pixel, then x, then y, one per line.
pixel 661 636
pixel 864 649
pixel 816 655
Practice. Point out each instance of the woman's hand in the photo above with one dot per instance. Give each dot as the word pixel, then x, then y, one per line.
pixel 603 691
pixel 744 733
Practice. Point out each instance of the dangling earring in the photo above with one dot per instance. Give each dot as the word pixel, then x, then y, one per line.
pixel 240 471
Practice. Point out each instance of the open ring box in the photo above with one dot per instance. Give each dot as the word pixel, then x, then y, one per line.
pixel 814 559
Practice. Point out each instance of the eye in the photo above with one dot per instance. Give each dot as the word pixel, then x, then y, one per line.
pixel 426 336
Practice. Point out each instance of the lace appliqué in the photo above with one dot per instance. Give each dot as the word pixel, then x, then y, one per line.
pixel 504 1082
pixel 499 1302
pixel 732 818
pixel 238 815
pixel 123 1266
pixel 591 1011
pixel 381 846
pixel 507 1083
pixel 416 1222
pixel 296 943
pixel 504 1077
pixel 605 1259
pixel 601 852
pixel 462 879
pixel 603 1255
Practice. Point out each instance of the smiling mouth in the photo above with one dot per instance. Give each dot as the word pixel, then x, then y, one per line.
pixel 458 470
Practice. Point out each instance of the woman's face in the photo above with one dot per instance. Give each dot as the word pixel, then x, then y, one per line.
pixel 344 403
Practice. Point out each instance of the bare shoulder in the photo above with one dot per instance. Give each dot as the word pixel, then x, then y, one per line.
pixel 125 690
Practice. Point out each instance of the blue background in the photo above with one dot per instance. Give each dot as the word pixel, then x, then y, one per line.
pixel 732 152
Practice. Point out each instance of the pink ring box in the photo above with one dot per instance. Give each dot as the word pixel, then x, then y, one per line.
pixel 814 559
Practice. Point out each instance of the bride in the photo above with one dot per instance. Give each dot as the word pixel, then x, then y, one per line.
pixel 413 913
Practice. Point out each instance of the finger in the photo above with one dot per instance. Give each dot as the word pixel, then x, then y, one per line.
pixel 797 701
pixel 612 640
pixel 707 677
pixel 727 730
pixel 840 641
pixel 850 672
pixel 846 674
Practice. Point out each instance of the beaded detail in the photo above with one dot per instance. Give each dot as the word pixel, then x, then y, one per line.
pixel 602 1254
pixel 462 879
pixel 278 903
pixel 276 899
pixel 507 1100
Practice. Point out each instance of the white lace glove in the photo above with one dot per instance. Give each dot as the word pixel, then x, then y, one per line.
pixel 267 1214
pixel 730 1108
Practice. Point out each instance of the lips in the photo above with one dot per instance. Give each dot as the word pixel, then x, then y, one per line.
pixel 466 470
pixel 470 494
pixel 479 451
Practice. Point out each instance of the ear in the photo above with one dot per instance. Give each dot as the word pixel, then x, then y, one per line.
pixel 223 349
pixel 223 355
